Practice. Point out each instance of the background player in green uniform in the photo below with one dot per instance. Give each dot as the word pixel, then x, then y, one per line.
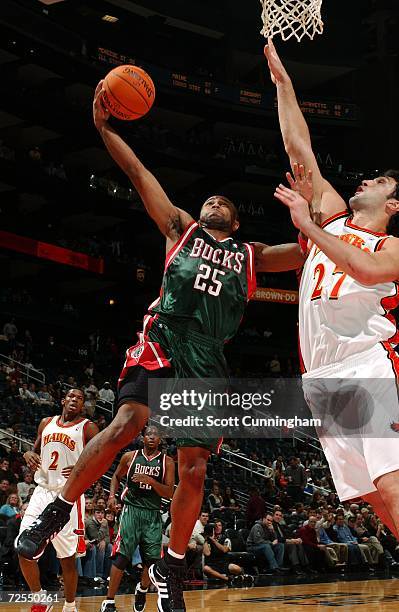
pixel 199 334
pixel 150 476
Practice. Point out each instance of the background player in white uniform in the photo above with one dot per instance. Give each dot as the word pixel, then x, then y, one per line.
pixel 60 441
pixel 348 287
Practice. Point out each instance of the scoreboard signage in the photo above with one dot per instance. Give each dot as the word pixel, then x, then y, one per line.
pixel 245 97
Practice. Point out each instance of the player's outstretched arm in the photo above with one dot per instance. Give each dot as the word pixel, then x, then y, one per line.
pixel 278 258
pixel 171 220
pixel 296 136
pixel 365 267
pixel 165 489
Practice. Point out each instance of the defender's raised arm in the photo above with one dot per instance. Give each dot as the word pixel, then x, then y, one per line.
pixel 296 136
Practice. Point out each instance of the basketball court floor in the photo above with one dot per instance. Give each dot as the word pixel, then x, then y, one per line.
pixel 364 595
pixel 348 595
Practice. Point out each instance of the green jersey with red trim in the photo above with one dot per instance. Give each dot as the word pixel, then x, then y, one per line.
pixel 207 283
pixel 139 493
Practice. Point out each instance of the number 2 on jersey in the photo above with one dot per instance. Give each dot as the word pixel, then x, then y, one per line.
pixel 54 463
pixel 319 273
pixel 214 286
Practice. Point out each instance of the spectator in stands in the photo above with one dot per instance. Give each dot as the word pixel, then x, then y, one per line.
pixel 383 535
pixel 26 487
pixel 196 543
pixel 315 551
pixel 45 398
pixel 262 541
pixel 356 555
pixel 295 474
pixel 352 511
pixel 106 393
pixel 5 472
pixel 89 507
pixel 215 499
pixel 16 459
pixel 25 394
pixel 91 388
pixel 8 552
pixel 216 548
pixel 10 331
pixel 292 546
pixel 366 541
pixel 197 535
pixel 12 506
pixel 32 391
pixel 5 490
pixel 229 500
pixel 336 552
pixel 298 515
pixel 90 404
pixel 101 503
pixel 256 507
pixel 97 532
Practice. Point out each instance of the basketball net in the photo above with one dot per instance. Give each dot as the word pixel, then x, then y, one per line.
pixel 291 18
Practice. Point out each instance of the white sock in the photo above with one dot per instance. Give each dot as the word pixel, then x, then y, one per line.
pixel 69 605
pixel 109 600
pixel 174 554
pixel 140 588
pixel 65 500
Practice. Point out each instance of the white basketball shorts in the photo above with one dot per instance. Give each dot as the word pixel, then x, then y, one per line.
pixel 357 403
pixel 66 542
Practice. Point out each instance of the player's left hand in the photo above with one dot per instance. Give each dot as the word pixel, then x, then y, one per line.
pixel 144 478
pixel 100 113
pixel 302 181
pixel 299 208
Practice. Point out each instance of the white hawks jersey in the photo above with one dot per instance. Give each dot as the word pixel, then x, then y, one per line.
pixel 61 446
pixel 338 316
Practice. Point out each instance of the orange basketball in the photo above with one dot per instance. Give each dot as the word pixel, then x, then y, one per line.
pixel 129 92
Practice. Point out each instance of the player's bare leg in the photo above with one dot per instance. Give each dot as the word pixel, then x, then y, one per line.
pixel 187 500
pixel 100 452
pixel 381 510
pixel 31 573
pixel 94 461
pixel 168 574
pixel 115 578
pixel 388 488
pixel 70 575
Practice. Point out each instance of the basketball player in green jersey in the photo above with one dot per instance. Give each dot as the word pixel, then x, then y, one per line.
pixel 150 476
pixel 209 278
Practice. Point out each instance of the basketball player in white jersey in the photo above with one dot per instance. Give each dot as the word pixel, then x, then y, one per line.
pixel 348 287
pixel 60 441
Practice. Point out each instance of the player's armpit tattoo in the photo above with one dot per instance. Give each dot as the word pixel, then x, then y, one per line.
pixel 174 227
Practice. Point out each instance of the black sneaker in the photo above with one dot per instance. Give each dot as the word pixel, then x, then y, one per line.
pixel 108 606
pixel 168 579
pixel 32 541
pixel 139 598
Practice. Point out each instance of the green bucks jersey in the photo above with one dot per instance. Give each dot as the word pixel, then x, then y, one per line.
pixel 141 494
pixel 207 283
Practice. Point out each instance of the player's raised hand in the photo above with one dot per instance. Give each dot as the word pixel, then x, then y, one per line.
pixel 299 208
pixel 32 460
pixel 278 73
pixel 302 182
pixel 100 113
